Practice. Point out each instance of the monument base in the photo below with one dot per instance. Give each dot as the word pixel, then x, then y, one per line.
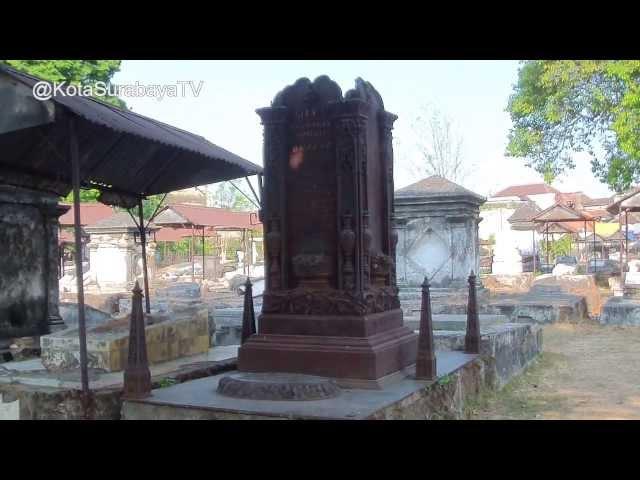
pixel 358 351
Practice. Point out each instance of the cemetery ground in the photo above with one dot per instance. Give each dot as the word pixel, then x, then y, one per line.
pixel 586 372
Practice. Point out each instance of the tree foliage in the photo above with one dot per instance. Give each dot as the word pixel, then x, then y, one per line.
pixel 559 108
pixel 76 72
pixel 225 195
pixel 439 146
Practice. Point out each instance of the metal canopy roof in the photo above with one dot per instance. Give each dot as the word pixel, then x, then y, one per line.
pixel 560 213
pixel 120 151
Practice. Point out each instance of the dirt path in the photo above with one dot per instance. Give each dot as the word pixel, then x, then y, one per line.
pixel 585 372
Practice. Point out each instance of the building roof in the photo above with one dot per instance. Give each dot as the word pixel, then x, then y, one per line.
pixel 630 201
pixel 437 186
pixel 560 213
pixel 598 202
pixel 169 234
pixel 120 152
pixel 220 218
pixel 115 221
pixel 90 213
pixel 524 213
pixel 523 191
pixel 572 199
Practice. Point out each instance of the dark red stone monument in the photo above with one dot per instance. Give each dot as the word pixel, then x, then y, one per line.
pixel 330 306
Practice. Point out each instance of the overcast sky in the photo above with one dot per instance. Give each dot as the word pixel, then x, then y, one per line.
pixel 473 94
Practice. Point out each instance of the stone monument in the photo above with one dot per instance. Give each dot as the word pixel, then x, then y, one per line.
pixel 331 305
pixel 115 254
pixel 29 272
pixel 437 224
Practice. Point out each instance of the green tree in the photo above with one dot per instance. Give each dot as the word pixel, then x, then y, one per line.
pixel 224 195
pixel 76 72
pixel 562 107
pixel 80 72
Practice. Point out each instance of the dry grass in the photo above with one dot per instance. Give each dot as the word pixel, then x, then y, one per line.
pixel 584 372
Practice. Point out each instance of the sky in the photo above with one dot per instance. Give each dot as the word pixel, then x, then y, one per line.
pixel 473 94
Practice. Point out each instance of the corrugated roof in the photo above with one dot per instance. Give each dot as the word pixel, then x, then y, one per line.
pixel 523 191
pixel 119 150
pixel 219 218
pixel 116 220
pixel 524 213
pixel 560 213
pixel 436 186
pixel 90 213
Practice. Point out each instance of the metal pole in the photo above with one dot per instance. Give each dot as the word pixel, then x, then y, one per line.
pixel 533 240
pixel 82 328
pixel 626 235
pixel 586 248
pixel 595 264
pixel 547 242
pixel 193 253
pixel 620 257
pixel 203 254
pixel 143 241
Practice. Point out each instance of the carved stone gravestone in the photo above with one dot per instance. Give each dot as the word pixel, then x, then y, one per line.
pixel 331 305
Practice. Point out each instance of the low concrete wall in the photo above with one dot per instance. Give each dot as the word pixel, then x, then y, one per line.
pixel 505 350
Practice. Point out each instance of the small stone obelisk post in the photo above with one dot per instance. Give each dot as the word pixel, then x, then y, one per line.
pixel 248 315
pixel 472 338
pixel 426 358
pixel 137 377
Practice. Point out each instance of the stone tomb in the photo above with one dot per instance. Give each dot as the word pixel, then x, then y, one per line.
pixel 29 272
pixel 437 225
pixel 330 307
pixel 625 309
pixel 179 325
pixel 115 256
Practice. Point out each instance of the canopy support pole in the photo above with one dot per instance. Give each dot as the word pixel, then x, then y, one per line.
pixel 193 253
pixel 203 255
pixel 82 327
pixel 626 235
pixel 533 242
pixel 143 242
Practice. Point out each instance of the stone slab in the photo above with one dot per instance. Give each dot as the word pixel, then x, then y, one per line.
pixel 454 322
pixel 581 285
pixel 621 311
pixel 9 410
pixel 107 348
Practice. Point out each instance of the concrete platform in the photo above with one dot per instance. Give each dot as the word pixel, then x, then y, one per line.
pixel 505 350
pixel 199 400
pixel 44 395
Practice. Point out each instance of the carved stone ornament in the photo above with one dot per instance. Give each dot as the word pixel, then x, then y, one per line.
pixel 330 302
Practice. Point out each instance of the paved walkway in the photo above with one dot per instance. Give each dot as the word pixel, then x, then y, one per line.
pixel 585 372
